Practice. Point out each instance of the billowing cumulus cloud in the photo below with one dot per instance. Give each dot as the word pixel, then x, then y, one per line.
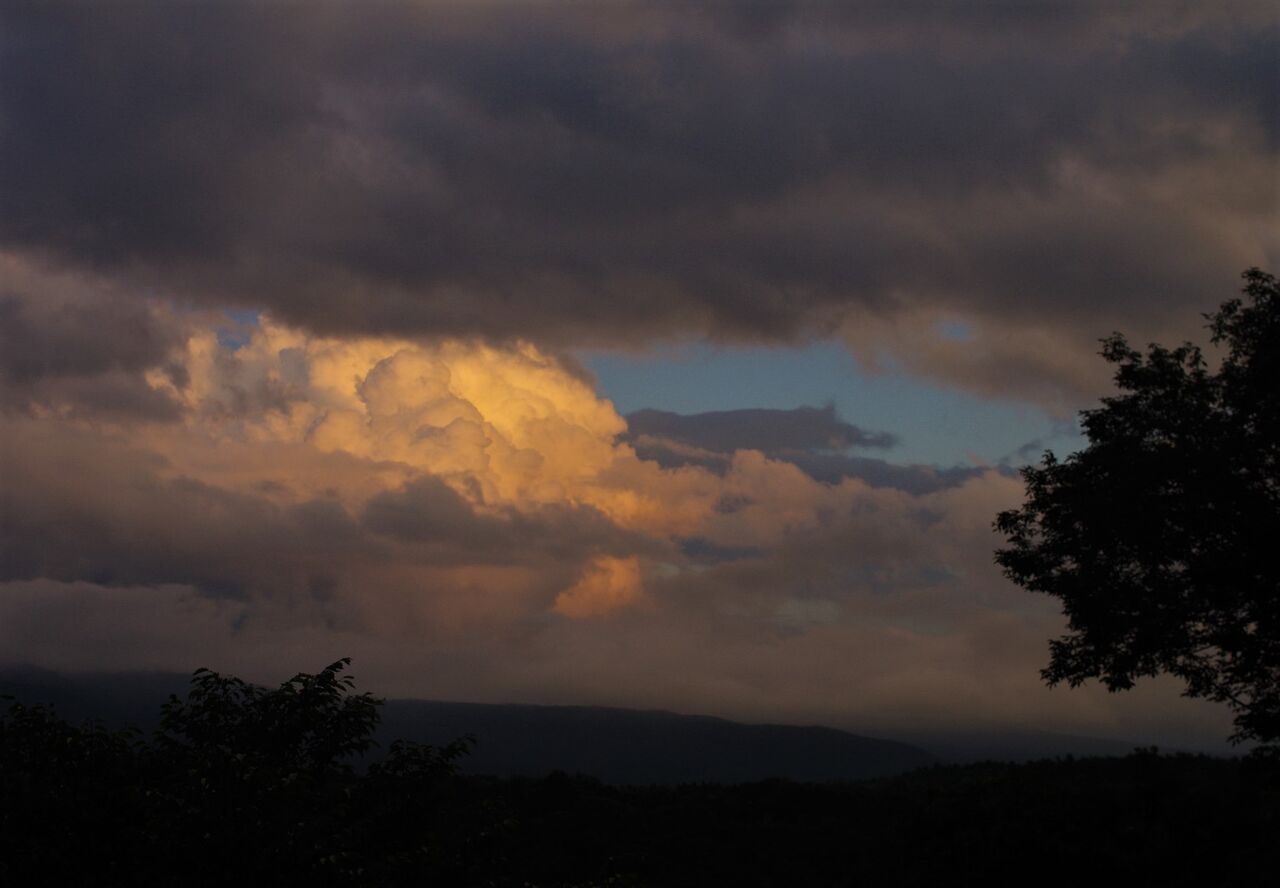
pixel 475 521
pixel 578 174
pixel 606 584
pixel 304 469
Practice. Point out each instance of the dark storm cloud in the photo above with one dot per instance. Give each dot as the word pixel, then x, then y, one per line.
pixel 87 509
pixel 913 479
pixel 70 344
pixel 605 174
pixel 39 340
pixel 770 431
pixel 814 439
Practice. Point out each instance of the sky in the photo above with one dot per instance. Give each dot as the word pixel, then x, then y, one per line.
pixel 666 355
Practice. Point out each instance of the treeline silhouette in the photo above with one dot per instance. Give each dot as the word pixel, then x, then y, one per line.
pixel 246 785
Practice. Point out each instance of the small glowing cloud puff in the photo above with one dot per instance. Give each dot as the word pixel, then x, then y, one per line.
pixel 607 584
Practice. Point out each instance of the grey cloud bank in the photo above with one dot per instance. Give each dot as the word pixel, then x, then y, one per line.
pixel 612 174
pixel 814 439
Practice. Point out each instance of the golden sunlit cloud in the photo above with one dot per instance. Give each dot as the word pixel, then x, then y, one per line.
pixel 294 417
pixel 434 486
pixel 503 427
pixel 606 584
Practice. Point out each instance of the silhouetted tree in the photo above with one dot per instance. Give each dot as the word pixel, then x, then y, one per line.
pixel 312 725
pixel 240 784
pixel 1161 537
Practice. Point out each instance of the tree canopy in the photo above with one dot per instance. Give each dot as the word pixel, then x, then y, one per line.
pixel 1161 536
pixel 240 784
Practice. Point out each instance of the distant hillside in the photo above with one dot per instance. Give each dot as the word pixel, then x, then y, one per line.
pixel 632 746
pixel 118 699
pixel 614 745
pixel 967 747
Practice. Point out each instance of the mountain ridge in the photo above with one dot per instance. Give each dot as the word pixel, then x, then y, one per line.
pixel 613 744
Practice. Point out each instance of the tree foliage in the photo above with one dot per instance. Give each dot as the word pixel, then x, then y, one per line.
pixel 1160 537
pixel 240 784
pixel 312 725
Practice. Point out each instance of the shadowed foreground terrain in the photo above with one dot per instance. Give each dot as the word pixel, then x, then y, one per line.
pixel 240 784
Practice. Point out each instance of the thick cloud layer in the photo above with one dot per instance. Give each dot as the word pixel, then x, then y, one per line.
pixel 579 174
pixel 473 522
pixel 78 343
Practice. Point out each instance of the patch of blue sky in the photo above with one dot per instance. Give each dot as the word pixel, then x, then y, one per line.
pixel 957 330
pixel 240 325
pixel 936 425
